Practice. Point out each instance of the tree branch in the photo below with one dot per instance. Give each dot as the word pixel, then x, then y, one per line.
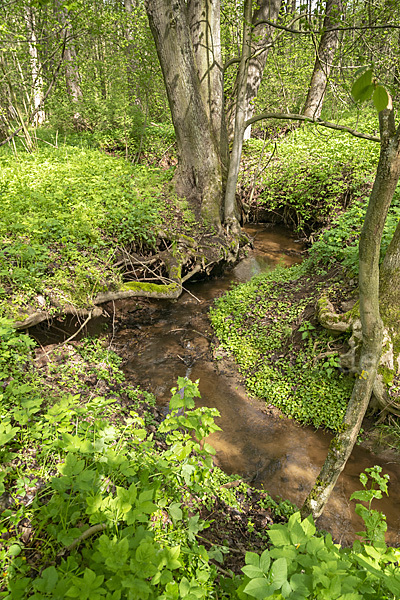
pixel 320 31
pixel 296 117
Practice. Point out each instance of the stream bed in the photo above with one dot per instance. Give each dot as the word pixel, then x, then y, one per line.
pixel 273 453
pixel 168 339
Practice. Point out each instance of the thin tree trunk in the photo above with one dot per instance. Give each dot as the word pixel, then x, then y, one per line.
pixel 36 69
pixel 199 176
pixel 386 179
pixel 390 287
pixel 72 77
pixel 262 36
pixel 323 61
pixel 231 216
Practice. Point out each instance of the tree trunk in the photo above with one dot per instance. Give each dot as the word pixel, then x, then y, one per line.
pixel 72 77
pixel 199 176
pixel 205 29
pixel 386 179
pixel 231 216
pixel 36 69
pixel 323 61
pixel 261 36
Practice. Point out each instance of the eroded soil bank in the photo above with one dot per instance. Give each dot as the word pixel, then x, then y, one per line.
pixel 161 340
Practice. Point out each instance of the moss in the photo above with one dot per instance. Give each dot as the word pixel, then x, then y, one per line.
pixel 175 273
pixel 148 287
pixel 387 374
pixel 189 241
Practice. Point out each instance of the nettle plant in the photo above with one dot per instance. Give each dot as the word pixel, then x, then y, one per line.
pixel 303 565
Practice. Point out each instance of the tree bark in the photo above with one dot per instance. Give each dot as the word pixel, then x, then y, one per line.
pixel 205 28
pixel 36 68
pixel 262 37
pixel 231 216
pixel 323 61
pixel 199 176
pixel 386 179
pixel 72 77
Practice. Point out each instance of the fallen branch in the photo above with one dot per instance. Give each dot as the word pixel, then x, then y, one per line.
pixel 86 534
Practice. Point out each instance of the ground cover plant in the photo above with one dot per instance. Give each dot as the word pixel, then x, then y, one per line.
pixel 307 176
pixel 268 326
pixel 339 243
pixel 102 500
pixel 64 213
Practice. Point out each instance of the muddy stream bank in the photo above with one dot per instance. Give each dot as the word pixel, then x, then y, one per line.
pixel 167 339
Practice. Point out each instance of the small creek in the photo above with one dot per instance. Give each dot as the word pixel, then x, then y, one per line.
pixel 172 339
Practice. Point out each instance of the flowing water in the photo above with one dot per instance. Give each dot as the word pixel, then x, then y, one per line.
pixel 172 338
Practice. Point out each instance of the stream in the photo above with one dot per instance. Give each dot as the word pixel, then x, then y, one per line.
pixel 173 338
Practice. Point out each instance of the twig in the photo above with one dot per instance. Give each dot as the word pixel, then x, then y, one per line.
pixel 68 340
pixel 193 296
pixel 88 533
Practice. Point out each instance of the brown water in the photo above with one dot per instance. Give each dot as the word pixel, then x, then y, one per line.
pixel 172 338
pixel 273 453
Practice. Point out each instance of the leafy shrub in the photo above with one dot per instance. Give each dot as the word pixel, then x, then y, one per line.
pixel 302 565
pixel 108 510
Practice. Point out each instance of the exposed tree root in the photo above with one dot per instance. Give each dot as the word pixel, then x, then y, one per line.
pixel 389 365
pixel 160 275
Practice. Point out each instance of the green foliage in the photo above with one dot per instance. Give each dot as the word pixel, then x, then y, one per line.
pixel 339 243
pixel 63 213
pixel 302 565
pixel 366 87
pixel 375 521
pixel 108 511
pixel 255 323
pixel 313 175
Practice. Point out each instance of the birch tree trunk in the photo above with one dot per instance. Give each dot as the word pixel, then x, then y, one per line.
pixel 323 61
pixel 386 179
pixel 36 68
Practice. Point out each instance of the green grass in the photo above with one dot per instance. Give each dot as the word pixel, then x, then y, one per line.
pixel 64 212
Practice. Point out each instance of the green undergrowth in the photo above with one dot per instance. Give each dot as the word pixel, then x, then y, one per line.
pixel 339 243
pixel 301 565
pixel 311 175
pixel 64 213
pixel 99 502
pixel 96 501
pixel 281 355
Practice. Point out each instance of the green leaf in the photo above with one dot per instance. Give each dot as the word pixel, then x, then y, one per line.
pixel 251 558
pixel 279 572
pixel 175 511
pixel 360 84
pixel 279 535
pixel 258 588
pixel 380 98
pixel 252 572
pixel 265 561
pixel 366 93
